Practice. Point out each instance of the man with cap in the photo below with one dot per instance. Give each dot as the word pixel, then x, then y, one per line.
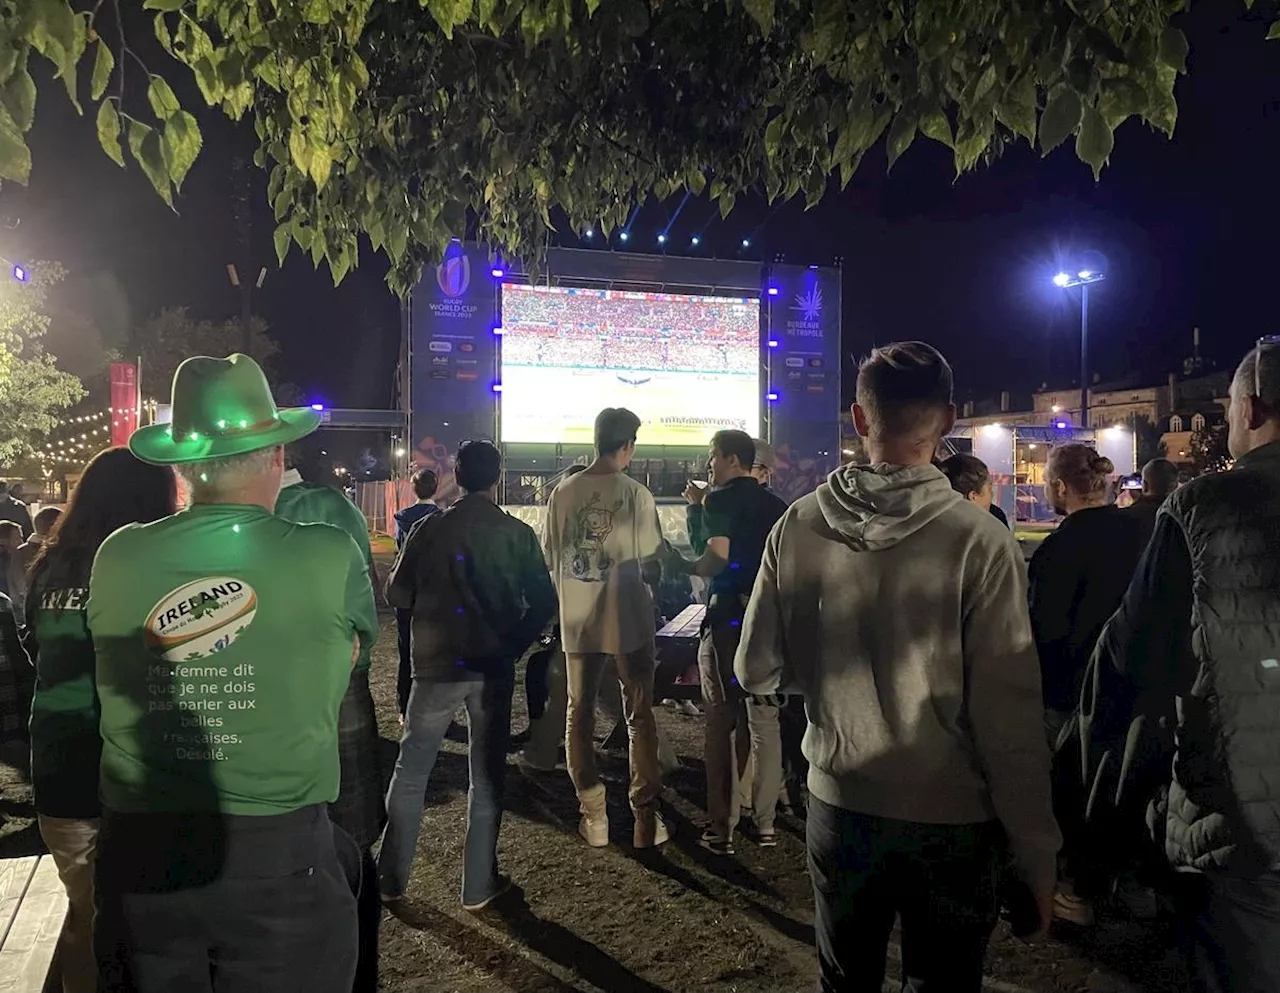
pixel 765 464
pixel 359 810
pixel 224 639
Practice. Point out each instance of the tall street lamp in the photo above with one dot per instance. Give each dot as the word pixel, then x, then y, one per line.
pixel 1082 279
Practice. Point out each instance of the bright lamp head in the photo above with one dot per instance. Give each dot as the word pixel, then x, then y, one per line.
pixel 1061 279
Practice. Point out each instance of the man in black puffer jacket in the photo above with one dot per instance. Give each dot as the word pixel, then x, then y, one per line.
pixel 1198 636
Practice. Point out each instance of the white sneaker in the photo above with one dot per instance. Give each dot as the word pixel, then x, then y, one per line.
pixel 1073 909
pixel 650 831
pixel 595 831
pixel 688 708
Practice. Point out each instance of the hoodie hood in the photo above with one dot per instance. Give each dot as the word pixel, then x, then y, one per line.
pixel 876 506
pixel 413 513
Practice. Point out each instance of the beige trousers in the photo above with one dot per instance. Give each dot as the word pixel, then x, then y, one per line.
pixel 73 844
pixel 585 674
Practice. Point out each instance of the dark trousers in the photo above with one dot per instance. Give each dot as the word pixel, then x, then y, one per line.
pixel 792 722
pixel 223 904
pixel 404 672
pixel 1231 932
pixel 361 872
pixel 941 879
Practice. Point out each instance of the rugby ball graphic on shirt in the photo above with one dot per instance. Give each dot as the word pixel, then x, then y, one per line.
pixel 200 618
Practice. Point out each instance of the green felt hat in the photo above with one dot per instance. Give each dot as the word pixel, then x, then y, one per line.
pixel 221 407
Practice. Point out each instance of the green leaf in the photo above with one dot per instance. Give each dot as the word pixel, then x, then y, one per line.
pixel 1060 119
pixel 397 240
pixel 207 79
pixel 144 144
pixel 901 134
pixel 773 137
pixel 1095 140
pixel 592 6
pixel 847 169
pixel 165 6
pixel 449 13
pixel 935 125
pixel 160 95
pixel 1274 31
pixel 8 61
pixel 321 165
pixel 1017 109
pixel 1163 111
pixel 339 265
pixel 761 12
pixel 282 239
pixel 20 99
pixel 1174 48
pixel 104 64
pixel 162 34
pixel 969 150
pixel 316 11
pixel 181 144
pixel 15 156
pixel 58 34
pixel 109 132
pixel 1121 98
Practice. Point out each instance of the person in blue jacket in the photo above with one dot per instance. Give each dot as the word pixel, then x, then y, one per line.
pixel 424 483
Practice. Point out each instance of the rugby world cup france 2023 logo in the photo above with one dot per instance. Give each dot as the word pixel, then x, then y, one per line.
pixel 453 275
pixel 200 619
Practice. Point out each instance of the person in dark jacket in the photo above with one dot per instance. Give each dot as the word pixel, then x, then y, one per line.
pixel 13 509
pixel 1076 579
pixel 1197 637
pixel 425 483
pixel 1159 479
pixel 15 677
pixel 480 591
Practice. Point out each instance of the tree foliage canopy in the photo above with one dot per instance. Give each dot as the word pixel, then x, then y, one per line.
pixel 415 122
pixel 173 335
pixel 33 391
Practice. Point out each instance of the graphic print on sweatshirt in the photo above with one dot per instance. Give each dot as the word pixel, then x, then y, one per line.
pixel 589 529
pixel 190 628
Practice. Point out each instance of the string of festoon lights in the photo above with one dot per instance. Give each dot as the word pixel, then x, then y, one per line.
pixel 89 433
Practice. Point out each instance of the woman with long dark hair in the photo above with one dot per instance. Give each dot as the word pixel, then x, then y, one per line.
pixel 116 489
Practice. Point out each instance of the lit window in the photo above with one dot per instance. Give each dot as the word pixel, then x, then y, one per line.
pixel 1197 422
pixel 1175 423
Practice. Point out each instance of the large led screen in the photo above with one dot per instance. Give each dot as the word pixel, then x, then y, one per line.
pixel 687 365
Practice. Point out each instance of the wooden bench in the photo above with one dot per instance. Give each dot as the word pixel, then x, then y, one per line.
pixel 677 650
pixel 33 905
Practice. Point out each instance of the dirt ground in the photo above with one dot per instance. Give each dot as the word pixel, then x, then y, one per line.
pixel 612 920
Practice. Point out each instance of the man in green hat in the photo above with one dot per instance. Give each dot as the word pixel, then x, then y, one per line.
pixel 360 810
pixel 224 639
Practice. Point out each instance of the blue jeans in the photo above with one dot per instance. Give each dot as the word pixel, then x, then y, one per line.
pixel 432 703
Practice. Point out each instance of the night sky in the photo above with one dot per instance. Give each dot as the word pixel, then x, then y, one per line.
pixel 1187 229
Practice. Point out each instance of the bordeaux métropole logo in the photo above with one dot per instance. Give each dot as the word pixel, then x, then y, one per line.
pixel 809 304
pixel 453 275
pixel 201 618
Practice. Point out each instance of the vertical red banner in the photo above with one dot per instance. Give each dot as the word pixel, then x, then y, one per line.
pixel 124 401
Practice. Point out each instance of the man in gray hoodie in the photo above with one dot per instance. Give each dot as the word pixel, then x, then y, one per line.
pixel 898 609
